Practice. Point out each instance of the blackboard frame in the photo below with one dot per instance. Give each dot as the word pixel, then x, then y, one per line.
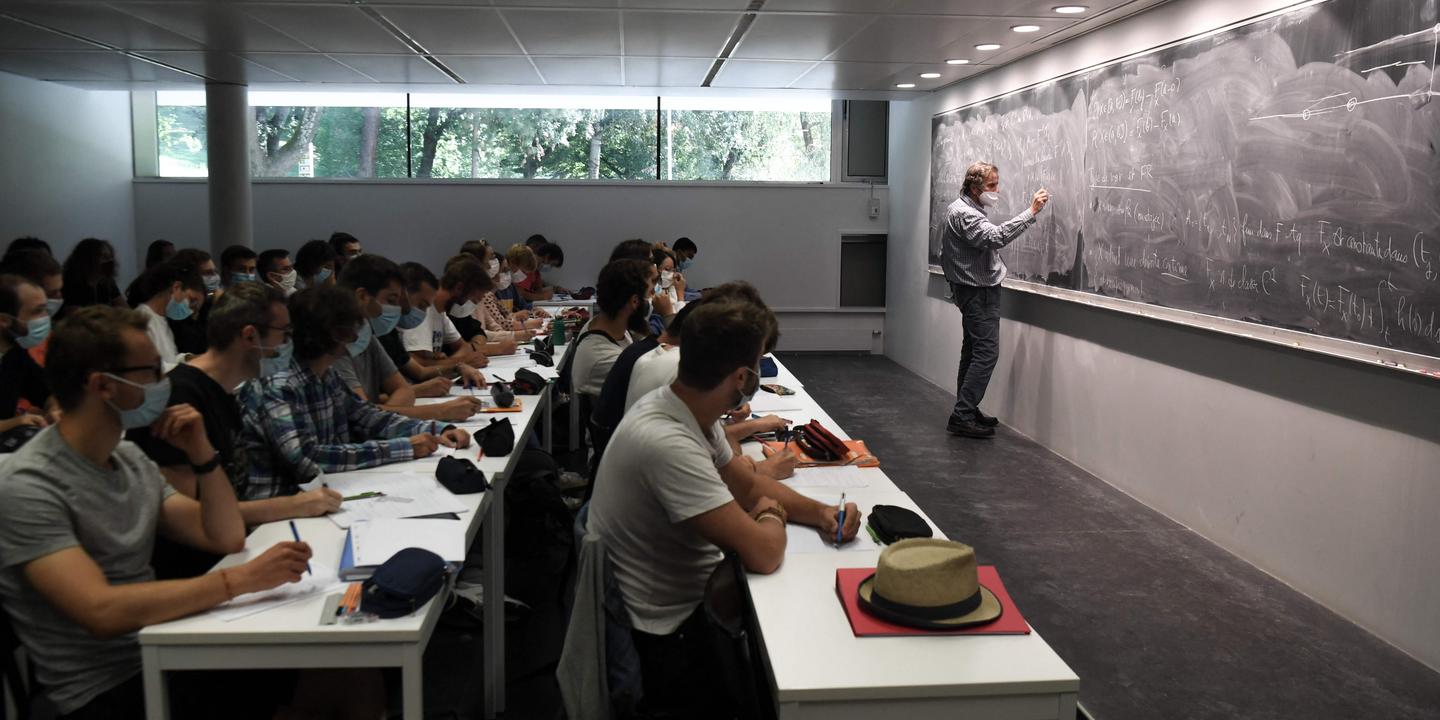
pixel 1388 358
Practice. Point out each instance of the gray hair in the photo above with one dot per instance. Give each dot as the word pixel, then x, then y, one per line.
pixel 977 174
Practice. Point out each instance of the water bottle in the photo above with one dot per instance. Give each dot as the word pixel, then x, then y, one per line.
pixel 557 331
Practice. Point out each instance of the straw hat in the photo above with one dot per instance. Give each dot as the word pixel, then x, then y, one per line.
pixel 930 584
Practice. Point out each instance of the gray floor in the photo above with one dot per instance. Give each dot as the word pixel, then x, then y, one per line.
pixel 1157 621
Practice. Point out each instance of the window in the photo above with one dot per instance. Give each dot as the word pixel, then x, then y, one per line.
pixel 532 137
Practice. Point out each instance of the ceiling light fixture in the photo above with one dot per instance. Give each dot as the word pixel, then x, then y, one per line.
pixel 957 61
pixel 904 86
pixel 1071 9
pixel 1025 28
pixel 988 46
pixel 929 76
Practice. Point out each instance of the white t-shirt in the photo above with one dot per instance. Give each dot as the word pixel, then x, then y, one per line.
pixel 655 369
pixel 432 335
pixel 660 470
pixel 593 360
pixel 161 336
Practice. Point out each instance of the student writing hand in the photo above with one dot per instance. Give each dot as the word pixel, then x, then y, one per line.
pixel 771 423
pixel 314 503
pixel 434 387
pixel 740 413
pixel 424 445
pixel 183 427
pixel 663 305
pixel 454 438
pixel 460 409
pixel 522 316
pixel 832 520
pixel 508 346
pixel 470 377
pixel 780 465
pixel 1037 203
pixel 283 563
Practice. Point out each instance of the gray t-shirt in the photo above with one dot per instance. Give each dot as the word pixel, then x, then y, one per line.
pixel 594 357
pixel 367 370
pixel 53 499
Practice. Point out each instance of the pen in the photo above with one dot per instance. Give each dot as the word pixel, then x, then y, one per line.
pixel 840 526
pixel 296 532
pixel 364 496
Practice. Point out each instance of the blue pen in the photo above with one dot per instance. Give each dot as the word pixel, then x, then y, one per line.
pixel 839 529
pixel 296 532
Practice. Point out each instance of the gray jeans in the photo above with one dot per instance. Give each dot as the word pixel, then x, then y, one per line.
pixel 980 311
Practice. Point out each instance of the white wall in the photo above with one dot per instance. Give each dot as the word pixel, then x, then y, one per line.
pixel 1324 473
pixel 783 238
pixel 65 167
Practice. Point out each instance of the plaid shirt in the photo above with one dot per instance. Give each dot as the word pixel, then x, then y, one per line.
pixel 298 425
pixel 970 243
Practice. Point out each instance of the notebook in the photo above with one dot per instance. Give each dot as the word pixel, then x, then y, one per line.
pixel 370 543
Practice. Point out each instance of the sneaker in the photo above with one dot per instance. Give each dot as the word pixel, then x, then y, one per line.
pixel 969 429
pixel 989 421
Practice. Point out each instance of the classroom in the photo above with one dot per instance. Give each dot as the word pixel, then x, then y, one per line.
pixel 719 359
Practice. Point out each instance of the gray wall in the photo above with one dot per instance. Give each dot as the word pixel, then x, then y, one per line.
pixel 783 238
pixel 65 167
pixel 1324 473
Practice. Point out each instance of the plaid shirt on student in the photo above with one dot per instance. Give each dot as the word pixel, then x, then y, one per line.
pixel 970 244
pixel 298 425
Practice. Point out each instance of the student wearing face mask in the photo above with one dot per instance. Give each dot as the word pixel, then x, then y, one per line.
pixel 667 512
pixel 622 304
pixel 970 255
pixel 346 247
pixel 685 252
pixel 277 271
pixel 174 291
pixel 497 323
pixel 426 380
pixel 24 323
pixel 303 420
pixel 237 265
pixel 315 264
pixel 41 270
pixel 190 333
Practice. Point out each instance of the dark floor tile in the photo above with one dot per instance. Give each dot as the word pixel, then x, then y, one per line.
pixel 1157 621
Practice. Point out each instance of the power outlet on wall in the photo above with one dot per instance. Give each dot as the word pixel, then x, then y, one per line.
pixel 874 208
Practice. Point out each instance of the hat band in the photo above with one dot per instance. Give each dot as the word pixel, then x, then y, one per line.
pixel 935 612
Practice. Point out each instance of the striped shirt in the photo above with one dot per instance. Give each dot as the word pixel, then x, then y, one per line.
pixel 298 425
pixel 970 243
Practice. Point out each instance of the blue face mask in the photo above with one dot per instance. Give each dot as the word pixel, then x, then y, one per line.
pixel 412 319
pixel 389 318
pixel 35 332
pixel 53 305
pixel 178 310
pixel 157 395
pixel 239 277
pixel 271 365
pixel 362 340
pixel 685 264
pixel 322 275
pixel 212 282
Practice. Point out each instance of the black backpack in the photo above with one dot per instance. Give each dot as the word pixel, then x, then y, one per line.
pixel 539 540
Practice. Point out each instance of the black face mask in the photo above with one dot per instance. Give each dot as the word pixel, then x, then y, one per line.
pixel 640 319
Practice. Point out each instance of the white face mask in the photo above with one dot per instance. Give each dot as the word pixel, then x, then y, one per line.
pixel 518 276
pixel 667 278
pixel 502 281
pixel 463 310
pixel 287 281
pixel 494 267
pixel 989 199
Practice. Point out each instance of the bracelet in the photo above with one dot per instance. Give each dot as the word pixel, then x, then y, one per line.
pixel 777 514
pixel 206 468
pixel 771 515
pixel 229 594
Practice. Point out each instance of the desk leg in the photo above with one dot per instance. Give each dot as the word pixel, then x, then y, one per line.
pixel 547 433
pixel 157 695
pixel 412 684
pixel 494 558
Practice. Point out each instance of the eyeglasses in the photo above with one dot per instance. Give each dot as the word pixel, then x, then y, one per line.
pixel 157 370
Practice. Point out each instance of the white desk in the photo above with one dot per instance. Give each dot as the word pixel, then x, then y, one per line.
pixel 290 636
pixel 821 671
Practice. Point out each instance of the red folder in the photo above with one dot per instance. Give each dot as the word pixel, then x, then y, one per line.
pixel 847 583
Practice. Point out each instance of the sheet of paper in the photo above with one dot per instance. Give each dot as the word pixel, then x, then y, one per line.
pixel 768 402
pixel 405 496
pixel 806 539
pixel 831 477
pixel 321 580
pixel 458 391
pixel 376 541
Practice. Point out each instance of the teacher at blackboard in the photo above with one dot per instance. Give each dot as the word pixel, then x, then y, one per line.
pixel 969 252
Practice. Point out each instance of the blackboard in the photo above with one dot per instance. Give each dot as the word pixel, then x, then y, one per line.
pixel 1285 172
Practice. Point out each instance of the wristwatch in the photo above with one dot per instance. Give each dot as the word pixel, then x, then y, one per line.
pixel 206 468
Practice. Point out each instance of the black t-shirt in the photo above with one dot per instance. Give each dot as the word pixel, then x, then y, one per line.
pixel 78 295
pixel 190 332
pixel 21 377
pixel 395 348
pixel 189 386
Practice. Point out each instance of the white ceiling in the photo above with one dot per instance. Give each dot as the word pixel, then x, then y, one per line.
pixel 833 45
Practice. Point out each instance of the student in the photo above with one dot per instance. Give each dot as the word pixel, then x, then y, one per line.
pixel 623 307
pixel 515 259
pixel 80 509
pixel 666 514
pixel 237 264
pixel 535 241
pixel 277 271
pixel 24 324
pixel 427 380
pixel 174 292
pixel 669 288
pixel 497 322
pixel 346 247
pixel 685 252
pixel 315 263
pixel 90 274
pixel 525 275
pixel 40 269
pixel 632 249
pixel 302 420
pixel 436 341
pixel 190 333
pixel 378 289
pixel 551 257
pixel 21 244
pixel 158 252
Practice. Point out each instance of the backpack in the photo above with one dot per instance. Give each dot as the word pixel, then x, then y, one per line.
pixel 539 540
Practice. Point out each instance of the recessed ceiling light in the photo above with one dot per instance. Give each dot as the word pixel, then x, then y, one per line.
pixel 1071 9
pixel 1025 28
pixel 957 61
pixel 929 76
pixel 905 86
pixel 988 46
